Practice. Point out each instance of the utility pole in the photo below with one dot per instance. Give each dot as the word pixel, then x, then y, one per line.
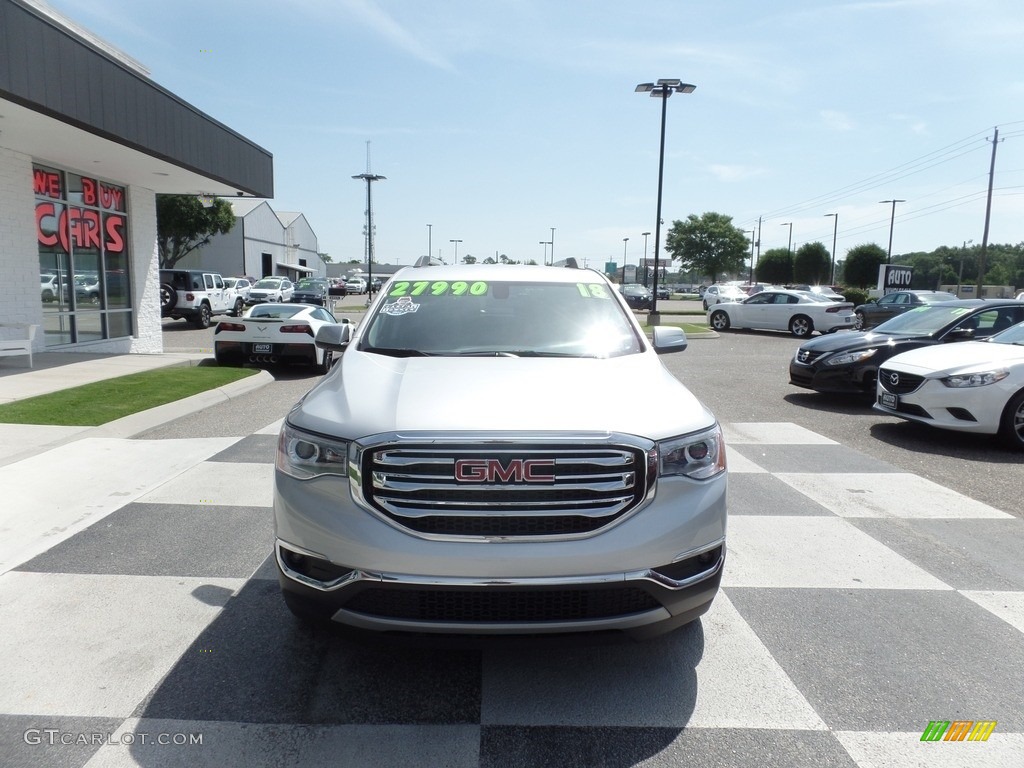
pixel 988 216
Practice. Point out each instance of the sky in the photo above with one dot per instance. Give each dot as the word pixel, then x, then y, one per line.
pixel 496 121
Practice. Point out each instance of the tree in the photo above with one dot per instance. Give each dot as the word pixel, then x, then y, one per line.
pixel 775 266
pixel 184 224
pixel 860 268
pixel 812 264
pixel 709 244
pixel 326 257
pixel 469 259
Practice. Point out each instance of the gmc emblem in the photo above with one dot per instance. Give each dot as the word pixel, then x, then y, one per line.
pixel 493 471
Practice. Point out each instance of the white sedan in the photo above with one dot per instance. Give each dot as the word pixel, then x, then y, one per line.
pixel 274 333
pixel 801 313
pixel 973 386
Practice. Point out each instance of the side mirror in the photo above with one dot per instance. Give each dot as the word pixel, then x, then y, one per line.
pixel 334 337
pixel 668 338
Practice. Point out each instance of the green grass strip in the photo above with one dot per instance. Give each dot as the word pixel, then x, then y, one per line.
pixel 93 404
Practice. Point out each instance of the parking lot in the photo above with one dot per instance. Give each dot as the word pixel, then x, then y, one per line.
pixel 874 584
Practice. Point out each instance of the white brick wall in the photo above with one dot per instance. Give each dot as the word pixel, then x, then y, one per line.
pixel 19 256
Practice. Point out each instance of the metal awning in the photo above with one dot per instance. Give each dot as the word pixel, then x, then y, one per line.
pixel 296 267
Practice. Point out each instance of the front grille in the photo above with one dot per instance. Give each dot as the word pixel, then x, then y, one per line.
pixel 509 605
pixel 502 489
pixel 807 356
pixel 899 383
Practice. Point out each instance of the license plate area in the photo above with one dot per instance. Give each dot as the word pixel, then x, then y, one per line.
pixel 262 349
pixel 889 400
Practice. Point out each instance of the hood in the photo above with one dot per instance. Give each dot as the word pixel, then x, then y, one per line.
pixel 835 342
pixel 366 394
pixel 947 358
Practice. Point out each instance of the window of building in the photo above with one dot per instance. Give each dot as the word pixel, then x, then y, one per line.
pixel 84 258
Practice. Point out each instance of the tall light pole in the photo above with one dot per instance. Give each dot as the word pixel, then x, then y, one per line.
pixel 545 243
pixel 624 241
pixel 430 245
pixel 456 243
pixel 835 231
pixel 892 221
pixel 552 244
pixel 370 178
pixel 789 245
pixel 645 234
pixel 751 232
pixel 661 90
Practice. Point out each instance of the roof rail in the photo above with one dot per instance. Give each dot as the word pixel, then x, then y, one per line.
pixel 428 261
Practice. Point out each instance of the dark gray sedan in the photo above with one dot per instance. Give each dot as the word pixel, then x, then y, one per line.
pixel 877 311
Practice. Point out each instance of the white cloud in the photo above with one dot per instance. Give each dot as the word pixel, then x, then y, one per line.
pixel 836 121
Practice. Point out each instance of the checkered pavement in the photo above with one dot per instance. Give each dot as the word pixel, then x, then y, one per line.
pixel 141 615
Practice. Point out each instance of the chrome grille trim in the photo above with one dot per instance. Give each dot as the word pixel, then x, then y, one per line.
pixel 600 477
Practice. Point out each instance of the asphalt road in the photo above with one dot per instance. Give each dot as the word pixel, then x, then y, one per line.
pixel 741 375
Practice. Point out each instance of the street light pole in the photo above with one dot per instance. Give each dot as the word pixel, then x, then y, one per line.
pixel 456 242
pixel 545 243
pixel 430 246
pixel 892 221
pixel 661 90
pixel 552 244
pixel 789 245
pixel 624 241
pixel 370 178
pixel 835 231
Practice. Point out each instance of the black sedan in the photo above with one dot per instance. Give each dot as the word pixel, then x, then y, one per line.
pixel 311 290
pixel 637 296
pixel 877 311
pixel 849 362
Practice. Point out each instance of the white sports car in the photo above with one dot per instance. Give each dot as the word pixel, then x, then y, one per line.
pixel 973 386
pixel 274 333
pixel 801 313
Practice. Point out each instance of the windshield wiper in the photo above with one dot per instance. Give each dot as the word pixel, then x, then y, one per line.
pixel 397 352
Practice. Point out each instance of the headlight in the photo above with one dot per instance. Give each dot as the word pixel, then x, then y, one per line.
pixel 848 358
pixel 304 456
pixel 981 379
pixel 698 456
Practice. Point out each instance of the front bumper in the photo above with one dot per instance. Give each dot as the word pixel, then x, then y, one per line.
pixel 842 379
pixel 978 411
pixel 641 603
pixel 246 352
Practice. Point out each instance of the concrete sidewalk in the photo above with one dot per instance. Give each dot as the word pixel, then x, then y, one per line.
pixel 54 371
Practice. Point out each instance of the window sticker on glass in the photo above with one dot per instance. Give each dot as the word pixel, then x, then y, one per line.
pixel 403 306
pixel 438 288
pixel 592 290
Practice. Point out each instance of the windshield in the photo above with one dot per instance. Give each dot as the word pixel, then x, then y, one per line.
pixel 923 320
pixel 1012 335
pixel 523 319
pixel 308 284
pixel 268 282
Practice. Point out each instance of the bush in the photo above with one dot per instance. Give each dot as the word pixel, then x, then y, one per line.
pixel 856 295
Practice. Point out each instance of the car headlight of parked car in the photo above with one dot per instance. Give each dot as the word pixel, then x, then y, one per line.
pixel 697 456
pixel 849 358
pixel 304 456
pixel 980 379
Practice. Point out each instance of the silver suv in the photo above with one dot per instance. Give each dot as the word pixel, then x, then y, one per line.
pixel 471 465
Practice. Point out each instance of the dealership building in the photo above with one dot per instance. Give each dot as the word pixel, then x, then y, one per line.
pixel 87 141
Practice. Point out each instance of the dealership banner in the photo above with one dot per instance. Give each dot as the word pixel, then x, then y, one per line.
pixel 894 277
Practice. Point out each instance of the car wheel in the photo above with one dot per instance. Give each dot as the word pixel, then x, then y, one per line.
pixel 239 308
pixel 324 367
pixel 203 316
pixel 168 296
pixel 859 321
pixel 1011 426
pixel 801 326
pixel 720 320
pixel 705 306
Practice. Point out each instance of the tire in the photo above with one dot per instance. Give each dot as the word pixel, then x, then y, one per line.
pixel 168 296
pixel 1011 426
pixel 202 319
pixel 859 322
pixel 705 306
pixel 720 320
pixel 238 308
pixel 801 326
pixel 324 368
pixel 47 296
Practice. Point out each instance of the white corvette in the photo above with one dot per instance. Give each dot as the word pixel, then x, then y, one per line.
pixel 274 333
pixel 973 386
pixel 799 312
